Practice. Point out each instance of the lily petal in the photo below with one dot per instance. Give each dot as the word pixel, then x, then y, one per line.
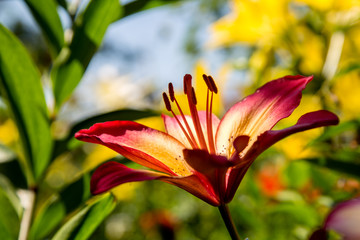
pixel 344 219
pixel 307 121
pixel 112 174
pixel 213 167
pixel 172 127
pixel 197 185
pixel 260 111
pixel 143 145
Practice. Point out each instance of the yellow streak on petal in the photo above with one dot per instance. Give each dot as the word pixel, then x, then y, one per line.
pixel 160 146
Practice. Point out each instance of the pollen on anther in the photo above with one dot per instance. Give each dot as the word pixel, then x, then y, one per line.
pixel 167 102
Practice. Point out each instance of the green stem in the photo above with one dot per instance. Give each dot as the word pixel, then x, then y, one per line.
pixel 225 214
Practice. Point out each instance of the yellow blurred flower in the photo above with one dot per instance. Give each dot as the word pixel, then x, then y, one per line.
pixel 252 22
pixel 351 48
pixel 125 191
pixel 153 122
pixel 97 156
pixel 311 48
pixel 347 90
pixel 326 5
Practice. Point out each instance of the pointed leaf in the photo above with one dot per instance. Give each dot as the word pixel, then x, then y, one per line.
pixel 94 217
pixel 47 219
pixel 352 125
pixel 84 223
pixel 45 13
pixel 21 87
pixel 349 168
pixel 10 211
pixel 142 5
pixel 62 3
pixel 88 33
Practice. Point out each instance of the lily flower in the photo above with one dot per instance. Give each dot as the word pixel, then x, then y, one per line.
pixel 199 153
pixel 343 220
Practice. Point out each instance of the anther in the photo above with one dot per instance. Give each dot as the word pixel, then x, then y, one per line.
pixel 167 102
pixel 193 96
pixel 187 82
pixel 206 79
pixel 212 83
pixel 171 92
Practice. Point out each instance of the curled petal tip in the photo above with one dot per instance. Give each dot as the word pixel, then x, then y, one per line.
pixel 321 118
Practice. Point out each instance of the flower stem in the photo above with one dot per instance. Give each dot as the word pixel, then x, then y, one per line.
pixel 225 214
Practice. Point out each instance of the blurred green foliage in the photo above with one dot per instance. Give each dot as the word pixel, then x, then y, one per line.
pixel 45 175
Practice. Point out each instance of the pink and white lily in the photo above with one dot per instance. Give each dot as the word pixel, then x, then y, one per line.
pixel 199 153
pixel 343 219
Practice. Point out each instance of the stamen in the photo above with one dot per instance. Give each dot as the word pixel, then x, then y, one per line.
pixel 187 82
pixel 168 107
pixel 206 79
pixel 208 126
pixel 211 143
pixel 193 96
pixel 171 92
pixel 167 102
pixel 213 85
pixel 190 92
pixel 186 124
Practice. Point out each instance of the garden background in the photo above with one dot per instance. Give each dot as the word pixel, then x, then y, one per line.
pixel 65 65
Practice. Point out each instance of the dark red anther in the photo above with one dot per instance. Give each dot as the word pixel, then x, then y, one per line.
pixel 213 85
pixel 167 102
pixel 171 92
pixel 206 79
pixel 187 82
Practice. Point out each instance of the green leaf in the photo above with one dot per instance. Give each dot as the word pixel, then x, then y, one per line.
pixel 12 170
pixel 47 219
pixel 46 15
pixel 294 214
pixel 89 31
pixel 297 173
pixel 9 212
pixel 334 131
pixel 76 193
pixel 125 114
pixel 62 3
pixel 355 66
pixel 21 88
pixel 349 168
pixel 84 223
pixel 142 5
